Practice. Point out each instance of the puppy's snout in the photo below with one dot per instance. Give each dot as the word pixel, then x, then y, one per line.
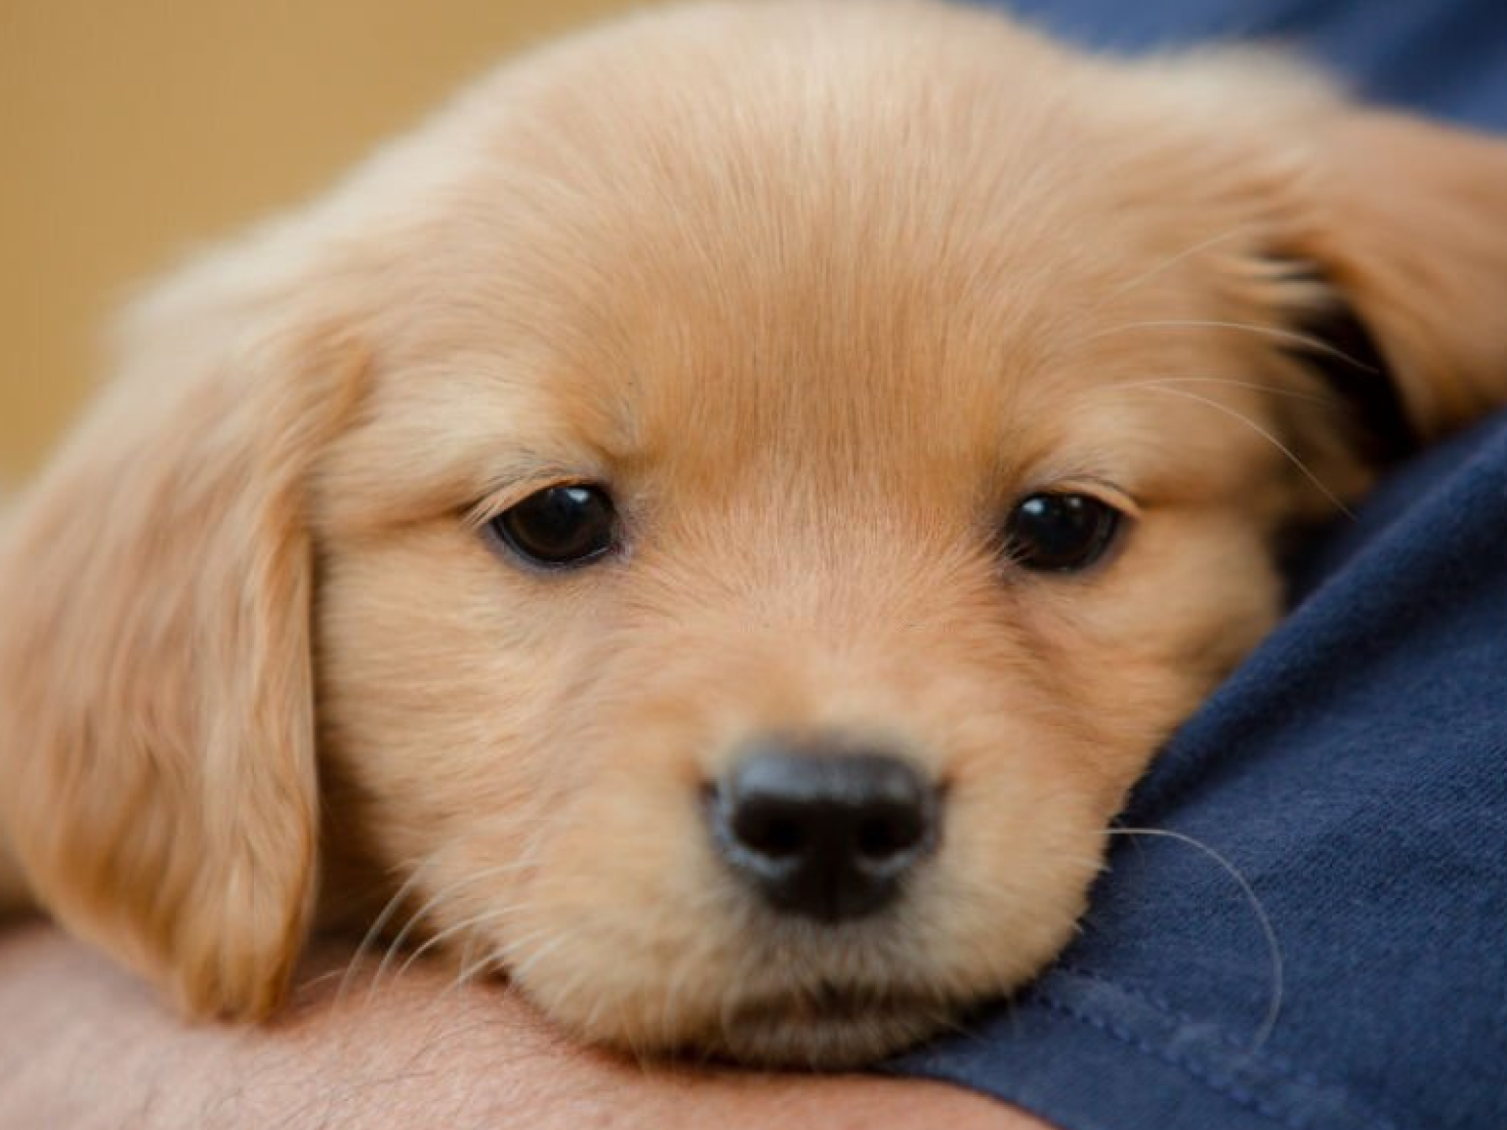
pixel 823 835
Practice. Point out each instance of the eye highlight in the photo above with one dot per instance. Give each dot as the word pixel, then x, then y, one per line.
pixel 1060 531
pixel 560 527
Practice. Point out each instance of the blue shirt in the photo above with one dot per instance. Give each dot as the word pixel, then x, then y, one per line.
pixel 1322 940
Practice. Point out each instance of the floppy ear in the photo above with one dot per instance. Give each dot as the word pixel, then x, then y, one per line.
pixel 1404 223
pixel 156 713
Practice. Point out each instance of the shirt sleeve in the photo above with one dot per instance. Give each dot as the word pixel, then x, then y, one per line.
pixel 1312 931
pixel 1447 58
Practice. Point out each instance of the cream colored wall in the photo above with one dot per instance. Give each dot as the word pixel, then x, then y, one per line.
pixel 131 130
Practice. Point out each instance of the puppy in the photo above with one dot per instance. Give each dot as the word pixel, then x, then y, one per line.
pixel 713 524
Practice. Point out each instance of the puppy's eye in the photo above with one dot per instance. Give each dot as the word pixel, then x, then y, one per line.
pixel 561 526
pixel 1060 532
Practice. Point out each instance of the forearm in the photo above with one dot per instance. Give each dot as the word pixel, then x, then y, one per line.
pixel 84 1046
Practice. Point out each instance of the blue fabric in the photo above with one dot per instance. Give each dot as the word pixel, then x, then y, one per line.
pixel 1442 57
pixel 1353 772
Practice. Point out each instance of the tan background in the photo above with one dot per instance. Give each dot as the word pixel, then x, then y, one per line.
pixel 132 130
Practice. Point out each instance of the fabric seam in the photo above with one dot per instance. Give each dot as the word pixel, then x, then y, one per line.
pixel 1233 1092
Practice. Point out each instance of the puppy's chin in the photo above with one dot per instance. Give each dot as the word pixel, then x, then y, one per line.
pixel 804 1023
pixel 828 1028
pixel 758 991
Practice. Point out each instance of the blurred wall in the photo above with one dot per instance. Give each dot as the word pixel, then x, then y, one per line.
pixel 133 130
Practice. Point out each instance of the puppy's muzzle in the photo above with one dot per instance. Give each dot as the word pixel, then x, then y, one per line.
pixel 823 834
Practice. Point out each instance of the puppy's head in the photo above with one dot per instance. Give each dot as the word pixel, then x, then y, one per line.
pixel 723 514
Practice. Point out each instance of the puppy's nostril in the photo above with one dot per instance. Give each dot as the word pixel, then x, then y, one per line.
pixel 889 833
pixel 769 830
pixel 823 835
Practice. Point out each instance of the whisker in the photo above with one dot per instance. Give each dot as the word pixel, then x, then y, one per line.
pixel 469 971
pixel 1264 434
pixel 522 971
pixel 316 980
pixel 1170 262
pixel 1273 946
pixel 473 969
pixel 1293 337
pixel 464 958
pixel 494 914
pixel 434 900
pixel 1274 390
pixel 379 923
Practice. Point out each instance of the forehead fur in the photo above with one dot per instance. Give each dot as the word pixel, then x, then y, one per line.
pixel 754 237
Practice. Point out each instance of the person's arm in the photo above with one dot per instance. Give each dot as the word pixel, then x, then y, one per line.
pixel 85 1046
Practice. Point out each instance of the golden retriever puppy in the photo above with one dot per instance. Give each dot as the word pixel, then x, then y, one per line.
pixel 713 524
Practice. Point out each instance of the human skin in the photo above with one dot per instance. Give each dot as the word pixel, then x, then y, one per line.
pixel 84 1045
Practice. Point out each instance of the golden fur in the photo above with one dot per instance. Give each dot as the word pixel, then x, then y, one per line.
pixel 819 289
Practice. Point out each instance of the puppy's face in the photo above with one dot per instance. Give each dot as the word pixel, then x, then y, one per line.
pixel 997 539
pixel 748 615
pixel 729 510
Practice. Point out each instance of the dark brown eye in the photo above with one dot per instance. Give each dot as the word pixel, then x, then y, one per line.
pixel 1060 532
pixel 560 527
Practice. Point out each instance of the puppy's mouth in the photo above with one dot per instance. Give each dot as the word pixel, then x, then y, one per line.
pixel 828 1026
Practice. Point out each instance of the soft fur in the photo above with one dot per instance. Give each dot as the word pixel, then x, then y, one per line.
pixel 819 289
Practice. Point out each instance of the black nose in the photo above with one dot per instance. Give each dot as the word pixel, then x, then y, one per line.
pixel 823 835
